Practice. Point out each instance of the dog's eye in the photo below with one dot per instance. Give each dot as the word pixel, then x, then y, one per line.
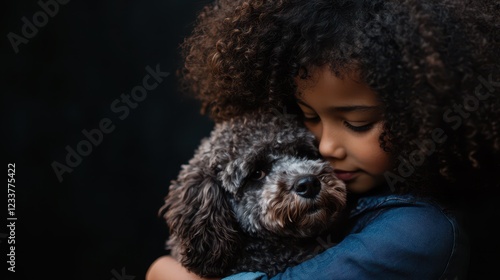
pixel 258 175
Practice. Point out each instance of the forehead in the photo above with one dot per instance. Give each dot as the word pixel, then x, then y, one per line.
pixel 323 88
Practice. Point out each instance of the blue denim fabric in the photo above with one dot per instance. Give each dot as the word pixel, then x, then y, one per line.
pixel 393 237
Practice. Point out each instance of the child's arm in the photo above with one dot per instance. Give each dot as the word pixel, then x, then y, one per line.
pixel 166 268
pixel 410 241
pixel 414 242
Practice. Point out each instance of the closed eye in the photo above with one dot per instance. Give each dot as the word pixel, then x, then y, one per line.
pixel 314 119
pixel 360 128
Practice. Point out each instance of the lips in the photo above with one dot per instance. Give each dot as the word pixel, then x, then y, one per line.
pixel 345 175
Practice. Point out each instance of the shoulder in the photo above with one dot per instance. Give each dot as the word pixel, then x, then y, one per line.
pixel 405 212
pixel 417 230
pixel 408 219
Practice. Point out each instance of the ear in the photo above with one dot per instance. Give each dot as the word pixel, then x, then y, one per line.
pixel 203 230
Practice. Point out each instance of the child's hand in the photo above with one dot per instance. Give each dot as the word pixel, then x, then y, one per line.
pixel 167 268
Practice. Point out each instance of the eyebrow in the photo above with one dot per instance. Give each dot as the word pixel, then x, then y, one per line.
pixel 344 108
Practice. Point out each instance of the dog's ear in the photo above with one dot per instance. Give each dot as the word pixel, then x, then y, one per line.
pixel 203 229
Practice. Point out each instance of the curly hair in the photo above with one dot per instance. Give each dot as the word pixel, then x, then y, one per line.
pixel 432 63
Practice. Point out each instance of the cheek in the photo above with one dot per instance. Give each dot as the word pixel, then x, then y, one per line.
pixel 371 156
pixel 377 161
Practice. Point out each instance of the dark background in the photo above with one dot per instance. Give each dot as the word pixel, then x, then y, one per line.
pixel 103 216
pixel 101 221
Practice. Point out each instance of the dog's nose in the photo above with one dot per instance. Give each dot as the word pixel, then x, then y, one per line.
pixel 307 187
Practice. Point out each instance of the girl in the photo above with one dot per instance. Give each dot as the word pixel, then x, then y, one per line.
pixel 403 98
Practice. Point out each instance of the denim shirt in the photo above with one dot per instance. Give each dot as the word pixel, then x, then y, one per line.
pixel 393 237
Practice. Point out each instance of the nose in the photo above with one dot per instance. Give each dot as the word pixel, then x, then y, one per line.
pixel 308 186
pixel 330 146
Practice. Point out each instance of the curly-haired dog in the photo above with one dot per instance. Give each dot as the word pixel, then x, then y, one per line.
pixel 255 197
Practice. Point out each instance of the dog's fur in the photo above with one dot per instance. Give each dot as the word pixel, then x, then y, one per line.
pixel 255 197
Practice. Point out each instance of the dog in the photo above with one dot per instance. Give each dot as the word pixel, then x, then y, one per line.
pixel 255 197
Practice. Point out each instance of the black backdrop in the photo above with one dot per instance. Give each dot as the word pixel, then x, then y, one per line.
pixel 62 76
pixel 63 71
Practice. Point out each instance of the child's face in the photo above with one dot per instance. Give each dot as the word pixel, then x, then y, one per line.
pixel 346 118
